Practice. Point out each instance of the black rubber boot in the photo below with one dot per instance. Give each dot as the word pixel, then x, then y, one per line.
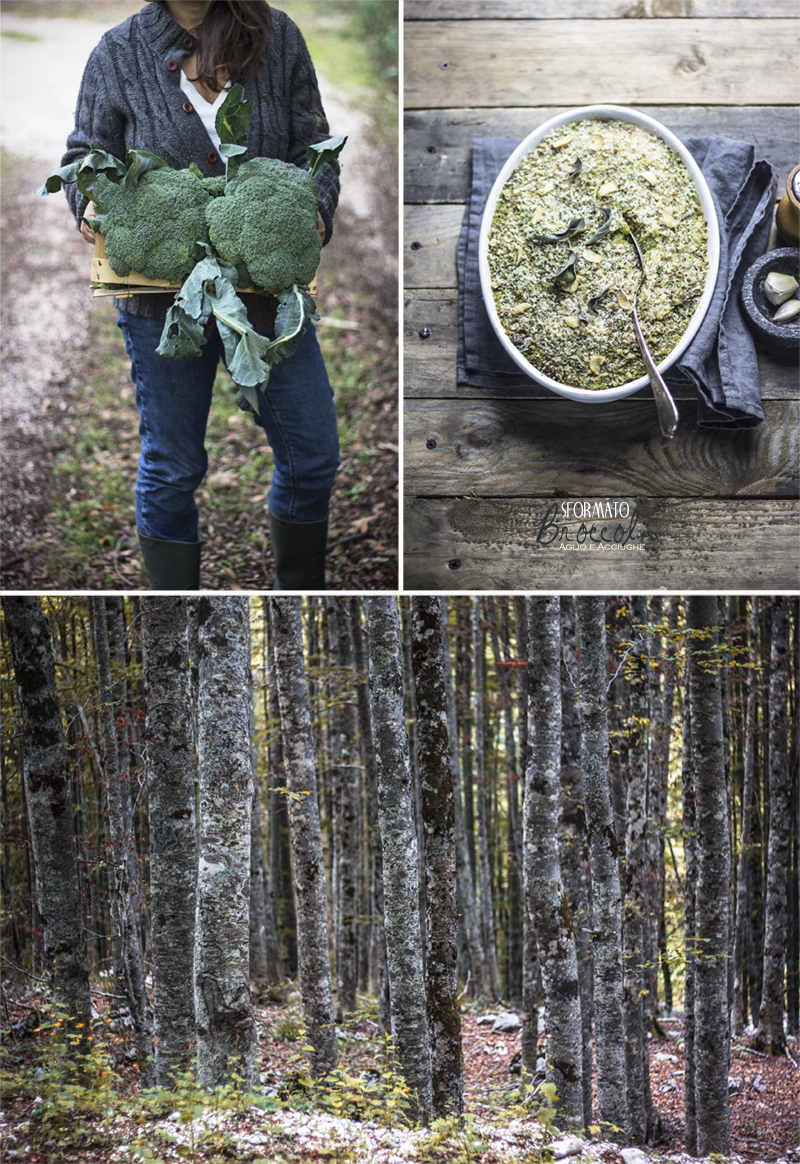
pixel 171 565
pixel 298 548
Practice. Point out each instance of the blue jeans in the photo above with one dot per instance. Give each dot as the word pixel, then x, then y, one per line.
pixel 174 397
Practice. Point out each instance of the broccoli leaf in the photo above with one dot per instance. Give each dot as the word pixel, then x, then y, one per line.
pixel 247 400
pixel 244 348
pixel 324 151
pixel 84 172
pixel 140 162
pixel 184 328
pixel 182 336
pixel 295 308
pixel 233 120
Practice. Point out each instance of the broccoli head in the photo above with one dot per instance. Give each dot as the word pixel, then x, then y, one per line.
pixel 266 225
pixel 215 185
pixel 155 226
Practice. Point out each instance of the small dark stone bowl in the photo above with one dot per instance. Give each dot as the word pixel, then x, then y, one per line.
pixel 782 339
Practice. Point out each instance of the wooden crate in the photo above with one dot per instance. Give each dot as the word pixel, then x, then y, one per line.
pixel 135 283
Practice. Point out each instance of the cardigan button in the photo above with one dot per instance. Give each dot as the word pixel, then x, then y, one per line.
pixel 213 157
pixel 188 107
pixel 188 43
pixel 172 66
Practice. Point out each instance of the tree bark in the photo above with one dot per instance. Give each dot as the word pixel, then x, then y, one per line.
pixel 513 830
pixel 281 889
pixel 484 877
pixel 304 823
pixel 770 1036
pixel 739 1010
pixel 603 863
pixel 438 823
pixel 689 921
pixel 543 887
pixel 171 766
pixel 466 886
pixel 226 1034
pixel 346 776
pixel 633 918
pixel 49 800
pixel 712 1032
pixel 572 839
pixel 120 840
pixel 400 861
pixel 378 963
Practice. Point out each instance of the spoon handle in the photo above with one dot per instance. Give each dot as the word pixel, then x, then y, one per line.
pixel 665 405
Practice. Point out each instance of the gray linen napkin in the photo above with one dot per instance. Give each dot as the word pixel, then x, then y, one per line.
pixel 721 359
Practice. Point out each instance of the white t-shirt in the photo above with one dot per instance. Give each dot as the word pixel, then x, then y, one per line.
pixel 207 112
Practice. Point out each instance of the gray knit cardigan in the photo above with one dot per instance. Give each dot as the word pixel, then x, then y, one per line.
pixel 130 98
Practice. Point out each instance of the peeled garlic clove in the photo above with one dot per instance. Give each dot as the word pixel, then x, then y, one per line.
pixel 787 311
pixel 779 287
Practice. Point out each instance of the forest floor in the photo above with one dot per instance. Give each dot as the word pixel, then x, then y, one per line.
pixel 358 1119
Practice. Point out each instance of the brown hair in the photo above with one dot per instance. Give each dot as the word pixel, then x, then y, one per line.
pixel 233 36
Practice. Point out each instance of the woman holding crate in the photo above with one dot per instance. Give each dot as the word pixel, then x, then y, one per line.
pixel 155 83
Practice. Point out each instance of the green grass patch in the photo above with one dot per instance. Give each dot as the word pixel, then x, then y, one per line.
pixel 12 34
pixel 355 46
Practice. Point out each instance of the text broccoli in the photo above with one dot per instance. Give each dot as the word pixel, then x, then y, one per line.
pixel 155 226
pixel 266 225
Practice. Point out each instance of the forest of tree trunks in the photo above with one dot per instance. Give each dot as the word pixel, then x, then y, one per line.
pixel 585 810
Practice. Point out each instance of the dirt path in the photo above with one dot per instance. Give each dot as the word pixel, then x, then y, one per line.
pixel 46 307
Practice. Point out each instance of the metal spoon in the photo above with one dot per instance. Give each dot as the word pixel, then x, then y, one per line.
pixel 665 405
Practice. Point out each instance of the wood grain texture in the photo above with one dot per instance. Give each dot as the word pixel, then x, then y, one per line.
pixel 430 237
pixel 478 544
pixel 559 62
pixel 564 449
pixel 438 142
pixel 430 364
pixel 599 10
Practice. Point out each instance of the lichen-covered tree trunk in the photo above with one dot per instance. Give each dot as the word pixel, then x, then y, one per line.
pixel 542 875
pixel 743 906
pixel 484 871
pixel 530 973
pixel 661 698
pixel 48 798
pixel 265 961
pixel 689 921
pixel 400 862
pixel 572 838
pixel 226 1034
pixel 514 829
pixel 121 841
pixel 466 886
pixel 633 917
pixel 712 899
pixel 281 891
pixel 438 824
pixel 304 823
pixel 378 966
pixel 346 775
pixel 603 855
pixel 170 771
pixel 770 1036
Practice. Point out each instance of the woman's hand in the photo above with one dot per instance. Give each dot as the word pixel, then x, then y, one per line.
pixel 320 226
pixel 87 231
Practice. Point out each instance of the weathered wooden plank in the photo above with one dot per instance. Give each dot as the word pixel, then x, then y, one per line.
pixel 429 366
pixel 599 10
pixel 576 62
pixel 501 448
pixel 437 145
pixel 430 238
pixel 476 544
